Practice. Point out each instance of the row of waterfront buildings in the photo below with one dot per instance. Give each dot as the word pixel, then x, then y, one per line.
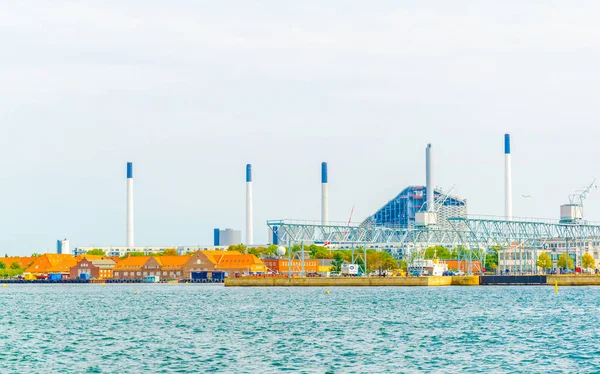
pixel 86 266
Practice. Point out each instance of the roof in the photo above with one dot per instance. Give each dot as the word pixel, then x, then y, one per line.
pixel 400 211
pixel 172 262
pixel 104 264
pixel 234 261
pixel 132 262
pixel 89 257
pixel 22 261
pixel 52 263
pixel 214 256
pixel 97 257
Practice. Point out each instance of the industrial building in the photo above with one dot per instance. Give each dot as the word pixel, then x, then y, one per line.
pixel 227 237
pixel 93 269
pixel 121 251
pixel 401 211
pixel 418 217
pixel 63 247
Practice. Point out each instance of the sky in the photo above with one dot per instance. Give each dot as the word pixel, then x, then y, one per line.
pixel 191 92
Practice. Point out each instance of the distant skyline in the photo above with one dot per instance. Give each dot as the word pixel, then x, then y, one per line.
pixel 192 92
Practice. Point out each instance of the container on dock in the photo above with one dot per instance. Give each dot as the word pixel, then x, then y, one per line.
pixel 55 277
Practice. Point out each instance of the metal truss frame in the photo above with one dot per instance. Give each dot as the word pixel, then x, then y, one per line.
pixel 475 235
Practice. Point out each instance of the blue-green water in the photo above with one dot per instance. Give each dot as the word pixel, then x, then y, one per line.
pixel 200 328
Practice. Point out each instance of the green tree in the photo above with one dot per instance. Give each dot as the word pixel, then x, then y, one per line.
pixel 2 265
pixel 439 251
pixel 134 254
pixel 544 261
pixel 403 265
pixel 374 262
pixel 317 251
pixel 15 265
pixel 587 261
pixel 96 251
pixel 36 255
pixel 237 247
pixel 170 252
pixel 262 252
pixel 491 258
pixel 9 273
pixel 338 260
pixel 390 262
pixel 565 261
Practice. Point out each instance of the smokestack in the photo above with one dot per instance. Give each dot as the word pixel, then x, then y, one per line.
pixel 507 179
pixel 324 195
pixel 129 205
pixel 429 178
pixel 249 224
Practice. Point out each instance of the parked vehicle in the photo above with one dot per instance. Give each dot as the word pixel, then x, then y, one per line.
pixel 350 270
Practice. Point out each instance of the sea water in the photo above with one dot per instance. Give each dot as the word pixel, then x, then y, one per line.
pixel 209 328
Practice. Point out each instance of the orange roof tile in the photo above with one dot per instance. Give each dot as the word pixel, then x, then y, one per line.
pixel 23 261
pixel 89 257
pixel 214 256
pixel 52 263
pixel 233 261
pixel 132 262
pixel 172 262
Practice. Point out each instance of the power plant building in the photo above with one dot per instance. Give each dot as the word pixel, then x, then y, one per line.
pixel 401 211
pixel 227 237
pixel 63 247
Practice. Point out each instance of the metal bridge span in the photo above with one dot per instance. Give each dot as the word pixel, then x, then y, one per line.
pixel 520 239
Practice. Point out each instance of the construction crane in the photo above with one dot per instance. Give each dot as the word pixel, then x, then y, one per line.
pixel 573 212
pixel 579 196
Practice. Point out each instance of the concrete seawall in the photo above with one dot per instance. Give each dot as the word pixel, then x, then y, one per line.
pixel 468 280
pixel 573 280
pixel 473 280
pixel 338 282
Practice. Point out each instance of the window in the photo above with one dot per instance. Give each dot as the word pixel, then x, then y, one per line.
pixel 126 274
pixel 116 273
pixel 139 273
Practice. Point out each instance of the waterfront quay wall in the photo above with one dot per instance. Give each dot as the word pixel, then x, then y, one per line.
pixel 473 280
pixel 468 280
pixel 573 280
pixel 338 282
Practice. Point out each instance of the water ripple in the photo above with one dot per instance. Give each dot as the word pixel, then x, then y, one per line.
pixel 209 328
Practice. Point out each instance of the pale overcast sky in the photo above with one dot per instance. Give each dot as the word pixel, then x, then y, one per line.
pixel 192 92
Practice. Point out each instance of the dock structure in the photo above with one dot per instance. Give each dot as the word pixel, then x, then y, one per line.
pixel 518 241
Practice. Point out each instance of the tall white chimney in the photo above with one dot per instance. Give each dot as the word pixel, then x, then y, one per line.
pixel 507 179
pixel 249 223
pixel 429 178
pixel 129 239
pixel 324 195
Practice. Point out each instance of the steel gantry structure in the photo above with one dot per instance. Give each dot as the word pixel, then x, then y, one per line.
pixel 519 241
